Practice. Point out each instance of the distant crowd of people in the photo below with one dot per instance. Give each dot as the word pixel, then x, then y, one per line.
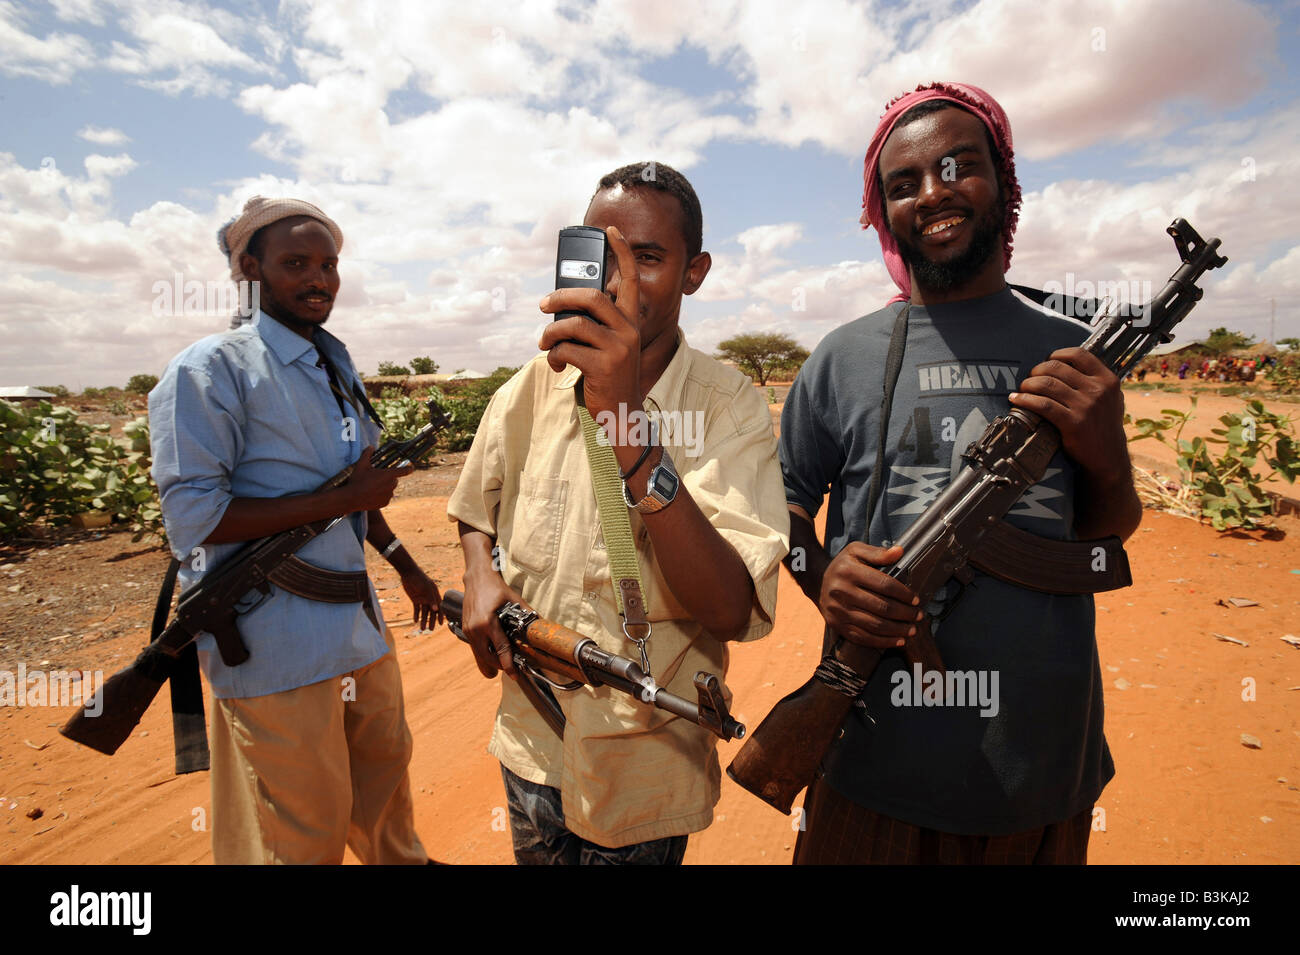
pixel 1212 369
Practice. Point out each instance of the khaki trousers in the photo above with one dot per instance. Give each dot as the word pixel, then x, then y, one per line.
pixel 299 775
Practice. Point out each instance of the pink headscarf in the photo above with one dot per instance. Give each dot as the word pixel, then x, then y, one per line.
pixel 873 203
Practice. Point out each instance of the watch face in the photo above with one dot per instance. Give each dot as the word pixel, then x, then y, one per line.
pixel 665 483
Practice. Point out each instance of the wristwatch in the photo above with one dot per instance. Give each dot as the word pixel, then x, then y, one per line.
pixel 661 487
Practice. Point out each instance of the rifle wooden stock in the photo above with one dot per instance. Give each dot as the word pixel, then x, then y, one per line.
pixel 783 754
pixel 122 702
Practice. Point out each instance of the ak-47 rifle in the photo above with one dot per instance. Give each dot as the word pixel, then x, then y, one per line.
pixel 961 528
pixel 540 644
pixel 210 605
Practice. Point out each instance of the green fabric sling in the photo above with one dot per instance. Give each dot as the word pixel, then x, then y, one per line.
pixel 616 527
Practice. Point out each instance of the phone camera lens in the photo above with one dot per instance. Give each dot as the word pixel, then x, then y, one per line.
pixel 592 270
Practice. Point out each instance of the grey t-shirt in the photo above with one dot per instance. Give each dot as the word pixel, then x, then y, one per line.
pixel 1026 749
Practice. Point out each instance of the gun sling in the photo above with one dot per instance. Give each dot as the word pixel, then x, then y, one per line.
pixel 328 586
pixel 189 727
pixel 1052 566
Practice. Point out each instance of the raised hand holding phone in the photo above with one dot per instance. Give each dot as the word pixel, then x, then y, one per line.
pixel 598 331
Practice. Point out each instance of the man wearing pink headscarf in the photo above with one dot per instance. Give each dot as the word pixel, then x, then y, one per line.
pixel 1009 769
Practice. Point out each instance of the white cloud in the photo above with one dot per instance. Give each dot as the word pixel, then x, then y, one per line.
pixel 452 142
pixel 173 46
pixel 1109 232
pixel 56 58
pixel 103 136
pixel 91 11
pixel 823 72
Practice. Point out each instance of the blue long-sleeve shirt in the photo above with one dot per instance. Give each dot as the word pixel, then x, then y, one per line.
pixel 247 413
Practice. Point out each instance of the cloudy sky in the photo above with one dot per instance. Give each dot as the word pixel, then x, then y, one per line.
pixel 452 140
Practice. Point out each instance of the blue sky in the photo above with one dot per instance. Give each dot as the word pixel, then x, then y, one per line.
pixel 451 142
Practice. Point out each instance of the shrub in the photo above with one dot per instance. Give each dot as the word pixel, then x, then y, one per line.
pixel 141 384
pixel 403 416
pixel 1229 491
pixel 53 466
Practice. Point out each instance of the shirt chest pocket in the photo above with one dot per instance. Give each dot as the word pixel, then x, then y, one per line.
pixel 538 518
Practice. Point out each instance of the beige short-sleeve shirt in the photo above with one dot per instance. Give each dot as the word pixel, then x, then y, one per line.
pixel 627 772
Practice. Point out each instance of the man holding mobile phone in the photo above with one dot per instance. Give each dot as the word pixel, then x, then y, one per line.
pixel 627 783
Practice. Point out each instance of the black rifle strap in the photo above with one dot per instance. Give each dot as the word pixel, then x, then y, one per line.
pixel 357 399
pixel 163 607
pixel 1070 306
pixel 893 368
pixel 189 728
pixel 360 394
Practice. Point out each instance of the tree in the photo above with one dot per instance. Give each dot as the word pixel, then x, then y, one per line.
pixel 141 384
pixel 424 366
pixel 1221 340
pixel 388 368
pixel 760 354
pixel 1292 344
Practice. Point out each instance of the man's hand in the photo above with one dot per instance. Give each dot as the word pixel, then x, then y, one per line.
pixel 484 594
pixel 865 605
pixel 1075 391
pixel 426 601
pixel 366 489
pixel 606 348
pixel 370 489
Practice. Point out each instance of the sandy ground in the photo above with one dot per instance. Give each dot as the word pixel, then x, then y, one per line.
pixel 1178 701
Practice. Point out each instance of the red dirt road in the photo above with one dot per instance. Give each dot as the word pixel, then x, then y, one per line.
pixel 1187 790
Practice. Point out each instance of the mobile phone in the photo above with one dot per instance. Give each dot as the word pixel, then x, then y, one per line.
pixel 580 260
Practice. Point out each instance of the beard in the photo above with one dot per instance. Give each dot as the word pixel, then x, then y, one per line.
pixel 952 274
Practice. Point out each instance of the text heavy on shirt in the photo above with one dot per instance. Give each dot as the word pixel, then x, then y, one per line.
pixel 1038 755
pixel 627 772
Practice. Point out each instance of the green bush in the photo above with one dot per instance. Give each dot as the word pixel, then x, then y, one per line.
pixel 389 368
pixel 404 416
pixel 1230 492
pixel 467 405
pixel 1285 375
pixel 53 466
pixel 141 384
pixel 59 391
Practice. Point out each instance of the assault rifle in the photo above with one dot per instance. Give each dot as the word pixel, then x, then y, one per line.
pixel 210 605
pixel 540 644
pixel 962 528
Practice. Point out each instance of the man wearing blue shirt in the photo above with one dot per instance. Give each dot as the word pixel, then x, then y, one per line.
pixel 308 737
